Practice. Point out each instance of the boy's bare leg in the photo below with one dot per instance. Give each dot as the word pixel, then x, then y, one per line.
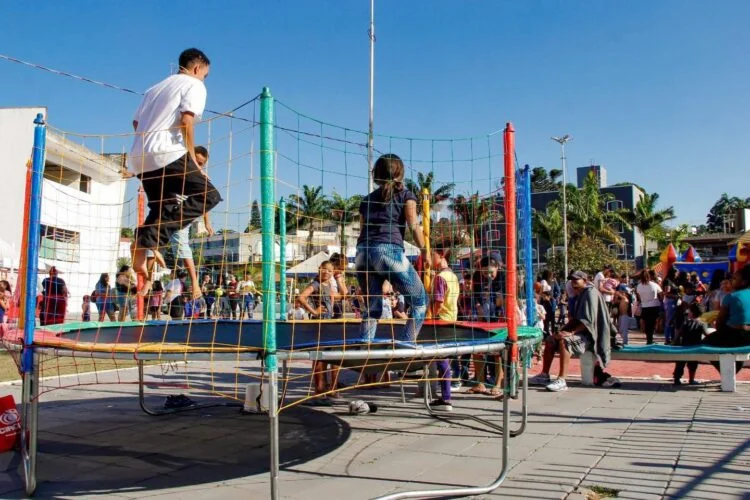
pixel 196 289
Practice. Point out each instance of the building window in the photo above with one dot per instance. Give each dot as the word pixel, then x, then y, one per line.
pixel 67 177
pixel 84 184
pixel 614 205
pixel 60 244
pixel 493 236
pixel 617 250
pixel 618 227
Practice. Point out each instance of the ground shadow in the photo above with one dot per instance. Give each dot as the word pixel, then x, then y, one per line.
pixel 108 445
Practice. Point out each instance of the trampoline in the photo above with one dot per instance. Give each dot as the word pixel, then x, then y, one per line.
pixel 335 342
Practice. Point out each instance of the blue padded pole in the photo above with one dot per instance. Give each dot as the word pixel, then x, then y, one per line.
pixel 526 243
pixel 282 258
pixel 32 245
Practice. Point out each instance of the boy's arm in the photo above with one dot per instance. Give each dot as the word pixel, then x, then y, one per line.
pixel 187 122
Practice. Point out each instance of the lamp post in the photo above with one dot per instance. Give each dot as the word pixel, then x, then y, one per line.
pixel 562 141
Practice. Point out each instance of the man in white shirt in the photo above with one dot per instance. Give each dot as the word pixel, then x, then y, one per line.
pixel 163 158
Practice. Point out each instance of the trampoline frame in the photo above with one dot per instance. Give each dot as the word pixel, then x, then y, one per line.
pixel 30 396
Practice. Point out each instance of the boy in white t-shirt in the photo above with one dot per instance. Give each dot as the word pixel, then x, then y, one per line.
pixel 163 158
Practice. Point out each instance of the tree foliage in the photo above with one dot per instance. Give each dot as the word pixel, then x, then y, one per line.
pixel 587 213
pixel 647 218
pixel 473 212
pixel 255 219
pixel 126 232
pixel 548 225
pixel 344 211
pixel 724 206
pixel 309 209
pixel 590 255
pixel 426 181
pixel 543 180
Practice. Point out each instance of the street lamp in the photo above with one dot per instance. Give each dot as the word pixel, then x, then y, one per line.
pixel 562 141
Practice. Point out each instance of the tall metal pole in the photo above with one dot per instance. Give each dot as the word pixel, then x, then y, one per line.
pixel 562 140
pixel 370 137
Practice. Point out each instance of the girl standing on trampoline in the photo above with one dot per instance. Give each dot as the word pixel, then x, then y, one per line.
pixel 385 214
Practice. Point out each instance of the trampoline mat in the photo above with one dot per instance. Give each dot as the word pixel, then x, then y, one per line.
pixel 247 336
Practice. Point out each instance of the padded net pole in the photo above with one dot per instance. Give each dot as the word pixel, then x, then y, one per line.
pixel 268 201
pixel 140 304
pixel 511 229
pixel 282 260
pixel 524 223
pixel 426 278
pixel 32 243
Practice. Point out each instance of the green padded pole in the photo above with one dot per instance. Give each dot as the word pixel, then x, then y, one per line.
pixel 282 258
pixel 267 201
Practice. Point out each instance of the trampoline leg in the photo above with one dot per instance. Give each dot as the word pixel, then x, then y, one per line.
pixel 472 490
pixel 30 424
pixel 156 412
pixel 466 416
pixel 273 415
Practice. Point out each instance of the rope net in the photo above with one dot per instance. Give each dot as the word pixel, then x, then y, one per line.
pixel 419 262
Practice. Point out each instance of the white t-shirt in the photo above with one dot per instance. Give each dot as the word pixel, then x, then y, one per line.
pixel 174 289
pixel 649 294
pixel 158 139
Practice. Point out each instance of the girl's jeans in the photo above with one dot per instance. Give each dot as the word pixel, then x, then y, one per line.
pixel 384 261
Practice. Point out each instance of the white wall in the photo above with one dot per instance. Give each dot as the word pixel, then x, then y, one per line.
pixel 16 143
pixel 96 215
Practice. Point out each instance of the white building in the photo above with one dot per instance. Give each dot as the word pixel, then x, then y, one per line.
pixel 82 204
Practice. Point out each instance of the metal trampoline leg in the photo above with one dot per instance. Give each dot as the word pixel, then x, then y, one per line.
pixel 156 412
pixel 30 425
pixel 273 415
pixel 477 490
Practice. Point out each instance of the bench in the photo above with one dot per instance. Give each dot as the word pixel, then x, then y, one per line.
pixel 726 356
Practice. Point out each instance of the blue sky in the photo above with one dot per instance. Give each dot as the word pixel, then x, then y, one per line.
pixel 654 91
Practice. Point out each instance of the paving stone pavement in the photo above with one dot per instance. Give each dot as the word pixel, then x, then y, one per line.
pixel 644 440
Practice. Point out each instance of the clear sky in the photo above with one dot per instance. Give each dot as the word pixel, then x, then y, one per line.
pixel 656 92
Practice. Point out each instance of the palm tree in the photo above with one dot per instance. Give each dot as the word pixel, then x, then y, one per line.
pixel 344 211
pixel 548 225
pixel 647 218
pixel 541 180
pixel 587 215
pixel 308 209
pixel 425 181
pixel 473 211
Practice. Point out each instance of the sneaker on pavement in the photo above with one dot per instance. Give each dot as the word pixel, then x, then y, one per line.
pixel 540 379
pixel 441 405
pixel 558 385
pixel 455 385
pixel 611 382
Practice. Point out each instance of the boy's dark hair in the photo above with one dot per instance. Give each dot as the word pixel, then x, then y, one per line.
pixel 191 57
pixel 488 261
pixel 696 309
pixel 200 150
pixel 443 252
pixel 182 274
